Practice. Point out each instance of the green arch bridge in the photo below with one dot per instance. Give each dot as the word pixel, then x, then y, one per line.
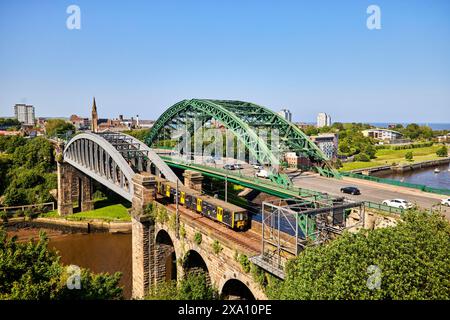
pixel 245 119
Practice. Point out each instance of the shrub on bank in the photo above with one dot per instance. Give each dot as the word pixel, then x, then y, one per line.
pixel 411 262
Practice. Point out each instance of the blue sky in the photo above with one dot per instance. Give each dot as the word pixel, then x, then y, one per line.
pixel 140 57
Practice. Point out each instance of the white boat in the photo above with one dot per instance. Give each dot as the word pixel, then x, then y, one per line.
pixel 437 170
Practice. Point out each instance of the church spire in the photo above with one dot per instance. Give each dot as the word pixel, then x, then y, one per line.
pixel 94 107
pixel 94 119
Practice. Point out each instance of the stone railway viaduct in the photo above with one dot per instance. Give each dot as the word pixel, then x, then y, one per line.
pixel 158 252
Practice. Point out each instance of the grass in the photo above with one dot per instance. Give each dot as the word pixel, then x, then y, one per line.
pixel 387 157
pixel 104 209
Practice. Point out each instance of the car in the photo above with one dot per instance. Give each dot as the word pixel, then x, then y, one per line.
pixel 228 167
pixel 398 203
pixel 258 167
pixel 238 166
pixel 446 202
pixel 350 190
pixel 262 174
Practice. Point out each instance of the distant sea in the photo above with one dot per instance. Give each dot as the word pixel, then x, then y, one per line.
pixel 434 126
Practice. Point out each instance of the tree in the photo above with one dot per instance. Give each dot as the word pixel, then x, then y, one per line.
pixel 10 123
pixel 409 156
pixel 139 134
pixel 442 151
pixel 30 271
pixel 362 157
pixel 195 286
pixel 55 127
pixel 413 258
pixel 8 144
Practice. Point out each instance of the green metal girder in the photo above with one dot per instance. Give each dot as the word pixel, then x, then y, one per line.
pixel 241 118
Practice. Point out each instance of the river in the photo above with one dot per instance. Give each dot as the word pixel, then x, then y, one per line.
pixel 99 252
pixel 425 176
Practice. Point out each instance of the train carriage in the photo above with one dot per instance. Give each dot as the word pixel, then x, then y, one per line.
pixel 226 213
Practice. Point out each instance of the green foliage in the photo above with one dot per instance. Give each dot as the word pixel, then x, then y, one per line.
pixel 10 123
pixel 258 275
pixel 362 157
pixel 162 215
pixel 4 216
pixel 415 132
pixel 30 271
pixel 244 262
pixel 405 146
pixel 182 231
pixel 98 195
pixel 442 152
pixel 9 144
pixel 217 248
pixel 28 175
pixel 195 286
pixel 29 186
pixel 172 221
pixel 139 134
pixel 198 238
pixel 413 258
pixel 55 127
pixel 5 165
pixel 409 156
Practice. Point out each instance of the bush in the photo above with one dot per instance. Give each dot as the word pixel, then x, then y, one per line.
pixel 442 151
pixel 362 157
pixel 198 238
pixel 30 213
pixel 195 286
pixel 182 231
pixel 98 195
pixel 217 248
pixel 409 156
pixel 244 262
pixel 4 216
pixel 340 269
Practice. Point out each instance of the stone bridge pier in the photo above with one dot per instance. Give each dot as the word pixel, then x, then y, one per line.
pixel 73 187
pixel 159 254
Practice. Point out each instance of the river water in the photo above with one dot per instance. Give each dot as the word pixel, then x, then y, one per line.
pixel 99 252
pixel 425 176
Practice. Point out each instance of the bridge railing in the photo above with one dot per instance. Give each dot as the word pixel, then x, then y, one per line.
pixel 255 180
pixel 383 207
pixel 398 183
pixel 48 206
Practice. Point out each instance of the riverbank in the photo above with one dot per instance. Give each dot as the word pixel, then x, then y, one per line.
pixel 67 226
pixel 388 157
pixel 404 167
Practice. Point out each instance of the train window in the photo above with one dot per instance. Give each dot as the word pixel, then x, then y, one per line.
pixel 219 213
pixel 168 190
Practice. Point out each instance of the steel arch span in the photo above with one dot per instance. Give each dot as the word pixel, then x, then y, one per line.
pixel 113 159
pixel 244 119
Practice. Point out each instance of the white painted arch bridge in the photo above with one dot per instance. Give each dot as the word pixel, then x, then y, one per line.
pixel 113 159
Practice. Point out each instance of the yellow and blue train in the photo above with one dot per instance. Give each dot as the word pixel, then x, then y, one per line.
pixel 226 213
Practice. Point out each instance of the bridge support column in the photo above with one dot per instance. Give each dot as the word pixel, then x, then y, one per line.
pixel 65 177
pixel 193 180
pixel 87 203
pixel 143 235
